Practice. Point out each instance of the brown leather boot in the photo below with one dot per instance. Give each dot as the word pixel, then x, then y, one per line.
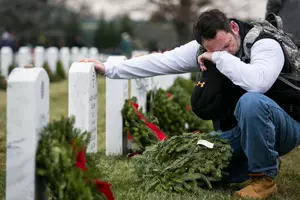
pixel 260 187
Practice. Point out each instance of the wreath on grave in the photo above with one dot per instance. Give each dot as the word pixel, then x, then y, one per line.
pixel 62 164
pixel 185 160
pixel 169 114
pixel 180 92
pixel 173 111
pixel 183 163
pixel 140 128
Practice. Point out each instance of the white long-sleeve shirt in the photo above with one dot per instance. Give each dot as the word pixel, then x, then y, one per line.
pixel 267 60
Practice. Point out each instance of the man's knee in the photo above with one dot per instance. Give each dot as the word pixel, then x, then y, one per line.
pixel 250 103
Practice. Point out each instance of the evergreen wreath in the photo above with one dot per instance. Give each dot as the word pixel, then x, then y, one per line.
pixel 181 163
pixel 169 114
pixel 139 126
pixel 172 108
pixel 63 166
pixel 192 121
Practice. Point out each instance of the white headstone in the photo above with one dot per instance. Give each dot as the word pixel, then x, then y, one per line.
pixel 65 58
pixel 39 56
pixel 6 60
pixel 74 54
pixel 27 114
pixel 139 89
pixel 154 83
pixel 83 53
pixel 93 53
pixel 83 99
pixel 116 94
pixel 166 81
pixel 103 57
pixel 24 56
pixel 52 58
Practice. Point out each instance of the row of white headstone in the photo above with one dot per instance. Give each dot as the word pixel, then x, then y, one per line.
pixel 40 55
pixel 28 112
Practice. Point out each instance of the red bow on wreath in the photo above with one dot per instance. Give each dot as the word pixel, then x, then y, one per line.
pixel 103 187
pixel 158 133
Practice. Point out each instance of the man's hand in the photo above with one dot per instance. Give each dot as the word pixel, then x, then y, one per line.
pixel 203 57
pixel 99 67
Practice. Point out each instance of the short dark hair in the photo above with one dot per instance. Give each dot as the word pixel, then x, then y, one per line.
pixel 208 23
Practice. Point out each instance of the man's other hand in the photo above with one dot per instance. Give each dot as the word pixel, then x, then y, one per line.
pixel 202 58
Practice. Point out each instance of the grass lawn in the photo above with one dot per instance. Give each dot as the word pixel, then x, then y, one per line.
pixel 119 171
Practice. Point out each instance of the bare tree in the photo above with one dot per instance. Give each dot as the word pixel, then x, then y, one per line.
pixel 30 18
pixel 23 14
pixel 182 13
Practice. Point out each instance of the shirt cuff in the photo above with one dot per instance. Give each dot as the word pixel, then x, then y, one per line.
pixel 107 68
pixel 216 56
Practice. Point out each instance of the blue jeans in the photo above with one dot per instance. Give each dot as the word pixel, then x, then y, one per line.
pixel 264 132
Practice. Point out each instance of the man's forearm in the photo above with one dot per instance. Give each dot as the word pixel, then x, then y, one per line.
pixel 259 75
pixel 179 60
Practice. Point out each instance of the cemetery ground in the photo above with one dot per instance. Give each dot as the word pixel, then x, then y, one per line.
pixel 119 170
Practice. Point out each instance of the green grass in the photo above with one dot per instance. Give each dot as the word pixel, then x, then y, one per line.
pixel 119 170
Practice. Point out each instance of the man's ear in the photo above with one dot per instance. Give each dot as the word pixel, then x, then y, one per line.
pixel 234 27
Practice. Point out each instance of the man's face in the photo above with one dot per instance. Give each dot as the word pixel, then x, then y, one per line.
pixel 224 41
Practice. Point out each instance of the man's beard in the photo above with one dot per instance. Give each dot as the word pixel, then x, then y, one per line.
pixel 238 43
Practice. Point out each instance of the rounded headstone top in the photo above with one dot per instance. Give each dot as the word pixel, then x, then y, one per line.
pixel 87 67
pixel 75 50
pixel 28 66
pixel 6 50
pixel 39 49
pixel 24 49
pixel 65 49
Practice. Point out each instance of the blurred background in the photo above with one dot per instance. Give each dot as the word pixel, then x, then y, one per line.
pixel 112 26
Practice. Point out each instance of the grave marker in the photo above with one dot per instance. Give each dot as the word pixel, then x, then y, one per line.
pixel 116 94
pixel 139 88
pixel 65 59
pixel 93 53
pixel 52 58
pixel 74 54
pixel 83 53
pixel 27 114
pixel 24 57
pixel 6 60
pixel 39 56
pixel 83 99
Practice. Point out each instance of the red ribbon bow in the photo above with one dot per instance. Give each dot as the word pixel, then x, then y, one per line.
pixel 80 163
pixel 104 188
pixel 158 133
